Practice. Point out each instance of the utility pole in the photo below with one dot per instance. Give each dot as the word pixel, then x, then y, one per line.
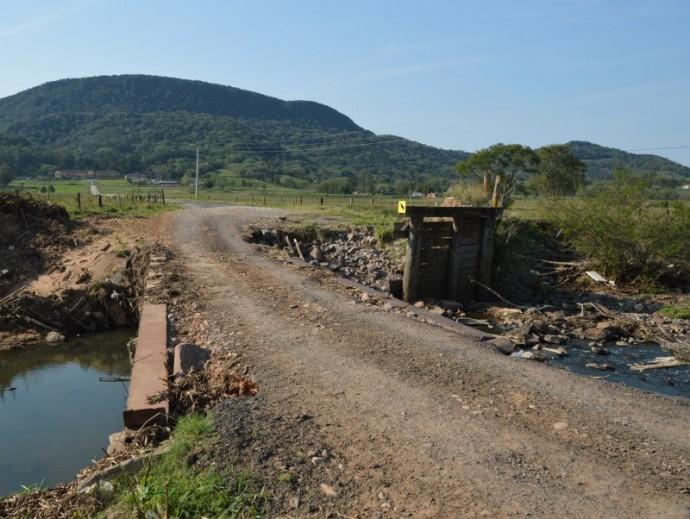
pixel 196 179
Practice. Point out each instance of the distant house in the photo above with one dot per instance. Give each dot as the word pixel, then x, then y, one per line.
pixel 82 174
pixel 686 186
pixel 417 194
pixel 139 178
pixel 168 183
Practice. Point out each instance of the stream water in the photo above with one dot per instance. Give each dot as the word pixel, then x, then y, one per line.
pixel 55 414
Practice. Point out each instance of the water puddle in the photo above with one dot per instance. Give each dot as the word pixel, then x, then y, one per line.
pixel 55 414
pixel 668 381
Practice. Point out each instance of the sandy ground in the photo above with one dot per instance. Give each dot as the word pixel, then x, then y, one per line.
pixel 364 413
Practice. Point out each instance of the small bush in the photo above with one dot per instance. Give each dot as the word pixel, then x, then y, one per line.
pixel 626 236
pixel 384 234
pixel 469 194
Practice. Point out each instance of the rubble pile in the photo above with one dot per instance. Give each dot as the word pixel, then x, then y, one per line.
pixel 353 254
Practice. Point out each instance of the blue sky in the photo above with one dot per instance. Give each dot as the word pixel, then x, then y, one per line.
pixel 454 74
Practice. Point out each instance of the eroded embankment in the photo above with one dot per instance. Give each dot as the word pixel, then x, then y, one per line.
pixel 62 277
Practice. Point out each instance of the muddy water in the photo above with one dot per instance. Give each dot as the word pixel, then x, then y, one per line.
pixel 55 414
pixel 668 381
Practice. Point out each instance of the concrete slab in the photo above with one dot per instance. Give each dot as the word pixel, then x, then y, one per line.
pixel 149 372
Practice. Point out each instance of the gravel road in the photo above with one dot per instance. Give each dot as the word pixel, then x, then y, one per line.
pixel 367 413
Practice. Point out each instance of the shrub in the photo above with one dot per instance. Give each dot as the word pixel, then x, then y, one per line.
pixel 627 237
pixel 469 194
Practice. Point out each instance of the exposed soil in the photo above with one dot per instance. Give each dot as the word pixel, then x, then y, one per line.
pixel 415 420
pixel 64 276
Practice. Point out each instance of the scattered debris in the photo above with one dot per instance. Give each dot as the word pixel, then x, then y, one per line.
pixel 658 363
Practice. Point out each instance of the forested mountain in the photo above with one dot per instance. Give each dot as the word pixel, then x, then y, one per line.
pixel 153 124
pixel 601 161
pixel 147 123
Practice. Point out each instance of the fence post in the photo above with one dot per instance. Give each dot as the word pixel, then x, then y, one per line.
pixel 79 201
pixel 100 201
pixel 321 201
pixel 300 200
pixel 350 202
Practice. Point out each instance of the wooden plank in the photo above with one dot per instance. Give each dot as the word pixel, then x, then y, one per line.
pixel 451 212
pixel 454 261
pixel 414 242
pixel 486 255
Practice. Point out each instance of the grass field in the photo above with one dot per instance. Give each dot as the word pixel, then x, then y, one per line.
pixel 121 197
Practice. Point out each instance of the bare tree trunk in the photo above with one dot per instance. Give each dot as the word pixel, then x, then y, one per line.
pixel 495 197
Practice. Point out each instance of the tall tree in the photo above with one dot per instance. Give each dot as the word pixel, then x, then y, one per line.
pixel 559 173
pixel 499 166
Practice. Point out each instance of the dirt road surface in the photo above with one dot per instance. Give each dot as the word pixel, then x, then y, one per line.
pixel 367 413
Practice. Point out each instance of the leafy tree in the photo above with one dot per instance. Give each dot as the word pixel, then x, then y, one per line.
pixel 559 173
pixel 6 175
pixel 500 166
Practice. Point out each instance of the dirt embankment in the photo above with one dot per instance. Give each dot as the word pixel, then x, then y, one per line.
pixel 62 277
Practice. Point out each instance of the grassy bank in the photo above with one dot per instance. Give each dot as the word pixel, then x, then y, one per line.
pixel 174 486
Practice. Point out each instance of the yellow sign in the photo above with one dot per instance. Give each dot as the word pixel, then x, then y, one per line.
pixel 402 206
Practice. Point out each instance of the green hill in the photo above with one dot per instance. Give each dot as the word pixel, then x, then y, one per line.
pixel 153 124
pixel 602 161
pixel 148 123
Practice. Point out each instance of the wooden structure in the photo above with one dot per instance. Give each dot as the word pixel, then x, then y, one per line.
pixel 448 248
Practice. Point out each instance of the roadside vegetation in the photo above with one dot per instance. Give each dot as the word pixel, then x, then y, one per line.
pixel 628 237
pixel 173 485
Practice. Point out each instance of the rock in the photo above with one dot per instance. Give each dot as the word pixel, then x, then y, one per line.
pixel 365 297
pixel 387 307
pixel 327 490
pixel 419 304
pixel 600 334
pixel 437 310
pixel 294 502
pixel 502 345
pixel 53 337
pixel 101 486
pixel 188 357
pixel 126 467
pixel 116 443
pixel 554 339
pixel 315 252
pixel 599 350
pixel 603 367
pixel 560 426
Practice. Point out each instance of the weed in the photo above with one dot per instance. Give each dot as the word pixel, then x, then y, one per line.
pixel 676 311
pixel 170 486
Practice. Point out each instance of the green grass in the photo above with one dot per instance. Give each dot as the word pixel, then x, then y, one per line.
pixel 171 487
pixel 676 311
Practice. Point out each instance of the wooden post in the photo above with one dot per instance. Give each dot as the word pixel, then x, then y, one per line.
pixel 321 201
pixel 414 247
pixel 350 202
pixel 454 263
pixel 100 201
pixel 372 202
pixel 494 197
pixel 486 253
pixel 163 196
pixel 79 201
pixel 300 200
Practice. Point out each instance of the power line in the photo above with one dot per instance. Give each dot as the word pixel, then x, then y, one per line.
pixel 661 148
